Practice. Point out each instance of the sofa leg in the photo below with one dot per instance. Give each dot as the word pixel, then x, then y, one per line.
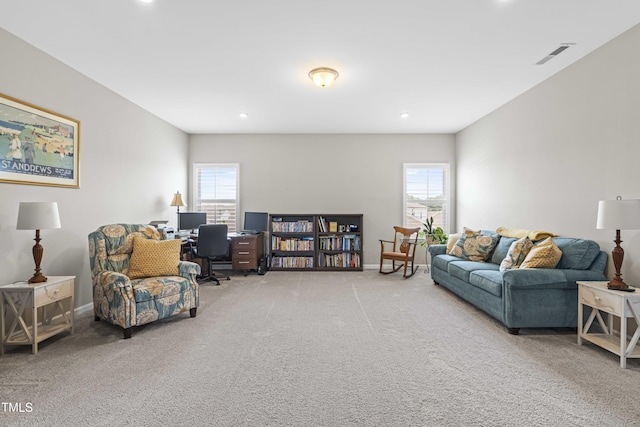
pixel 514 331
pixel 192 311
pixel 436 283
pixel 127 333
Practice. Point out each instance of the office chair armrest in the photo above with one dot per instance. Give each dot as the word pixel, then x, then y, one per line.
pixel 188 269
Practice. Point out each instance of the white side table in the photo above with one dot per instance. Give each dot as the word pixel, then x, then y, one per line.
pixel 30 314
pixel 624 305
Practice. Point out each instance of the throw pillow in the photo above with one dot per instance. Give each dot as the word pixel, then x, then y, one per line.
pixel 453 238
pixel 517 253
pixel 545 254
pixel 474 246
pixel 151 258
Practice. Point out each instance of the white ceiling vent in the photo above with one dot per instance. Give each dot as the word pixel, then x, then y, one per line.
pixel 558 51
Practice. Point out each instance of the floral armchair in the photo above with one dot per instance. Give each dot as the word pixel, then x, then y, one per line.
pixel 128 302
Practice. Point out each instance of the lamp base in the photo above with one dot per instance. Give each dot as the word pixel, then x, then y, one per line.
pixel 37 278
pixel 618 285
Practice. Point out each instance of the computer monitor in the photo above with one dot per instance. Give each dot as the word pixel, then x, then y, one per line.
pixel 255 222
pixel 191 220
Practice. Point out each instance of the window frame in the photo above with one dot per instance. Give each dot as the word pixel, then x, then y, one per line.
pixel 446 167
pixel 197 200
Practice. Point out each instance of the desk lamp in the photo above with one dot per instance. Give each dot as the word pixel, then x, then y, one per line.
pixel 618 215
pixel 38 216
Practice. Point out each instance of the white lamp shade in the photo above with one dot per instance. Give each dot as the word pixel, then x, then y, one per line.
pixel 38 216
pixel 619 214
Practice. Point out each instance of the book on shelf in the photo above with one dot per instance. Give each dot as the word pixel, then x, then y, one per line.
pixel 333 227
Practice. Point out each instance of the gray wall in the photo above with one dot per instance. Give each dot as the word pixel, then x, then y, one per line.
pixel 544 160
pixel 131 163
pixel 326 174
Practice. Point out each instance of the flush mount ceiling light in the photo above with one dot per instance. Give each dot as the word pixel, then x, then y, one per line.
pixel 323 76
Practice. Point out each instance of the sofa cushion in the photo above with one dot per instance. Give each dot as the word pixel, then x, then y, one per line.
pixel 544 254
pixel 517 253
pixel 151 258
pixel 474 245
pixel 462 269
pixel 442 261
pixel 502 248
pixel 577 254
pixel 159 287
pixel 488 280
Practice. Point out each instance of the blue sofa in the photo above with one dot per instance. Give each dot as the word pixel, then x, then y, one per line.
pixel 522 297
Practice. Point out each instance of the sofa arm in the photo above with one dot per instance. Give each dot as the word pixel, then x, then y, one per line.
pixel 113 281
pixel 188 269
pixel 534 278
pixel 437 250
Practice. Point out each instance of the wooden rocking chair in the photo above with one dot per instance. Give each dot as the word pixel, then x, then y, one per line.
pixel 403 250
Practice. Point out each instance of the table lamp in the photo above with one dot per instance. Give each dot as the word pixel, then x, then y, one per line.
pixel 618 215
pixel 38 216
pixel 177 201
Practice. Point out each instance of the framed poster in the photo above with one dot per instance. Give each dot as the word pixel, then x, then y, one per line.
pixel 37 146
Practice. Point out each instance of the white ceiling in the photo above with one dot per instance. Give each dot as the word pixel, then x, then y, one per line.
pixel 199 63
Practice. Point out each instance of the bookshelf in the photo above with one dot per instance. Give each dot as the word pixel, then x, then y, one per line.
pixel 316 242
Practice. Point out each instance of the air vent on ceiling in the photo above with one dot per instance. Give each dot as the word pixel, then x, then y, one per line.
pixel 558 51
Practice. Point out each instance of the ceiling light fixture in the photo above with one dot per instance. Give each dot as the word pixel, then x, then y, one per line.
pixel 243 115
pixel 323 76
pixel 404 115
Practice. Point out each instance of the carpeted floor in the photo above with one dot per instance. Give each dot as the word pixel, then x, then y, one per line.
pixel 320 349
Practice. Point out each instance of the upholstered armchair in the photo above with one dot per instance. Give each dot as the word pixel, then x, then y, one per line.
pixel 138 277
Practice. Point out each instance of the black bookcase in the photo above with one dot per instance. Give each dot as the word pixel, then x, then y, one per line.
pixel 327 242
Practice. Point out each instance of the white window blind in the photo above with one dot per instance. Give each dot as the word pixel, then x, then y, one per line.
pixel 426 194
pixel 216 192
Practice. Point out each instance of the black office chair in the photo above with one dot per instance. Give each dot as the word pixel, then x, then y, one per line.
pixel 213 246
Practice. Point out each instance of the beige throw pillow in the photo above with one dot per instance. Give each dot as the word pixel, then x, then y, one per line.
pixel 545 254
pixel 451 241
pixel 517 253
pixel 152 258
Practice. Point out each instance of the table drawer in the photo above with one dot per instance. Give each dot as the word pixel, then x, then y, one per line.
pixel 602 300
pixel 245 263
pixel 244 242
pixel 53 292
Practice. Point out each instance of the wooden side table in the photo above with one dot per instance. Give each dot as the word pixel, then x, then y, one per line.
pixel 623 305
pixel 30 314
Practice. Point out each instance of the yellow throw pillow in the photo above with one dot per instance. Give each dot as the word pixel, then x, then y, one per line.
pixel 152 258
pixel 545 254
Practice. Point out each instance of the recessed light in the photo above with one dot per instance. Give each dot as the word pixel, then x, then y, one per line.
pixel 404 115
pixel 146 1
pixel 243 115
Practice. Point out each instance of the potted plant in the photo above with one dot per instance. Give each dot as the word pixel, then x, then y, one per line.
pixel 433 235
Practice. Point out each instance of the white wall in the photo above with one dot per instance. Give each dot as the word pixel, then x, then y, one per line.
pixel 544 160
pixel 318 174
pixel 131 163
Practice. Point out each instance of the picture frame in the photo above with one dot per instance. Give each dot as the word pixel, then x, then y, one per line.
pixel 38 146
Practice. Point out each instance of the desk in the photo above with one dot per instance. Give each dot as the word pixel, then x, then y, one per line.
pixel 246 250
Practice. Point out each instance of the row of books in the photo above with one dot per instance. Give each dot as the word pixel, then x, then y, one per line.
pixel 347 242
pixel 301 226
pixel 327 226
pixel 292 262
pixel 291 244
pixel 344 260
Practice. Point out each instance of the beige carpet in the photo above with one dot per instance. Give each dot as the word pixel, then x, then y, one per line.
pixel 320 349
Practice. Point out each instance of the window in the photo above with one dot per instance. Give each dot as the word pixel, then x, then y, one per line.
pixel 426 194
pixel 216 192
